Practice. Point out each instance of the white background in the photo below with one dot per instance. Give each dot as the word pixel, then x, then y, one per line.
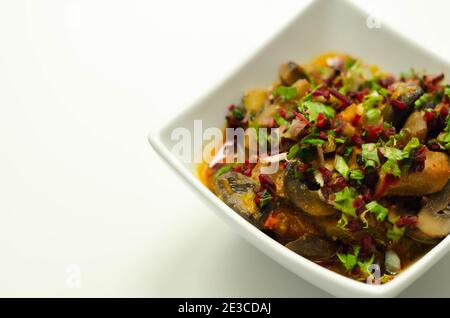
pixel 81 85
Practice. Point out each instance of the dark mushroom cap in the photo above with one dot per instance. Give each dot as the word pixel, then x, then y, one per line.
pixel 303 198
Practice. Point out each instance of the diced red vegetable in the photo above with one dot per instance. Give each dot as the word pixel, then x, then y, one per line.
pixel 343 99
pixel 407 220
pixel 397 104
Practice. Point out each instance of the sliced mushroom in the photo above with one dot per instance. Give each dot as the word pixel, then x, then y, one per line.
pixel 434 218
pixel 417 126
pixel 238 192
pixel 290 72
pixel 286 224
pixel 328 227
pixel 407 93
pixel 313 248
pixel 303 198
pixel 410 94
pixel 432 179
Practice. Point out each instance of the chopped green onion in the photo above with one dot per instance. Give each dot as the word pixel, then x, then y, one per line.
pixel 293 152
pixel 447 90
pixel 380 211
pixel 281 121
pixel 349 260
pixel 308 96
pixel 425 98
pixel 372 100
pixel 356 174
pixel 370 155
pixel 265 198
pixel 344 201
pixel 341 166
pixel 394 153
pixel 286 93
pixel 364 266
pixel 412 144
pixel 391 166
pixel 348 152
pixel 349 63
pixel 383 91
pixel 223 170
pixel 314 109
pixel 373 115
pixel 313 141
pixel 395 233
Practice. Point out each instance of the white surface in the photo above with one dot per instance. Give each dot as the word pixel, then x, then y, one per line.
pixel 81 83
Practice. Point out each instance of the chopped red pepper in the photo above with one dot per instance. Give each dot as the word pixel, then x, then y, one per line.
pixel 326 174
pixel 343 99
pixel 397 104
pixel 407 220
pixel 356 120
pixel 267 183
pixel 428 116
pixel 357 140
pixel 389 180
pixel 321 121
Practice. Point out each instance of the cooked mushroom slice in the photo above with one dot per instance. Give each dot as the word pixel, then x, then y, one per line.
pixel 287 224
pixel 417 126
pixel 410 94
pixel 313 248
pixel 290 72
pixel 376 230
pixel 434 218
pixel 406 93
pixel 432 179
pixel 418 236
pixel 299 194
pixel 238 192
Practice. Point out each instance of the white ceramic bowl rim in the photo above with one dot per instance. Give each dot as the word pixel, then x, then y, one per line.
pixel 269 246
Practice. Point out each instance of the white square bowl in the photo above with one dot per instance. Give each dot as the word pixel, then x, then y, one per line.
pixel 322 26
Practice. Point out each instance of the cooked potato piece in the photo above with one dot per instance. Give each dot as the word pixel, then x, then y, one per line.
pixel 254 99
pixel 267 114
pixel 302 86
pixel 350 112
pixel 432 179
pixel 417 126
